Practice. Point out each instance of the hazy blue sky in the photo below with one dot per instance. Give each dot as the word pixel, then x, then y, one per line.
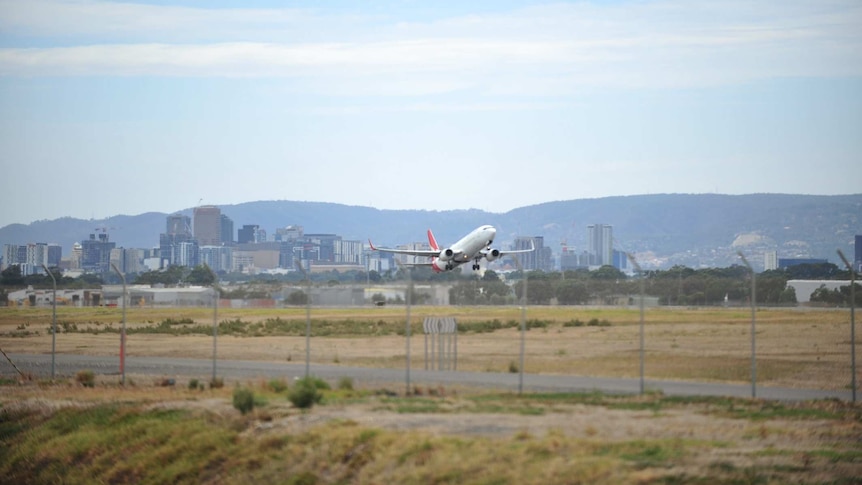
pixel 121 108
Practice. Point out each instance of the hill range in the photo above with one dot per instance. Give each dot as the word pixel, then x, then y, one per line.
pixel 696 230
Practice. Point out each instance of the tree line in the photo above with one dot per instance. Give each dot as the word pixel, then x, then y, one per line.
pixel 679 285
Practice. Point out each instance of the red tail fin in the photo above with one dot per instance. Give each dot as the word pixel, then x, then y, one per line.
pixel 432 241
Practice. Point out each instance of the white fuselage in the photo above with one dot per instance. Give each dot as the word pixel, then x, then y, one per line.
pixel 468 248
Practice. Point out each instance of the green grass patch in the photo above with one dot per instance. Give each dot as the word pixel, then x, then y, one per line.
pixel 82 445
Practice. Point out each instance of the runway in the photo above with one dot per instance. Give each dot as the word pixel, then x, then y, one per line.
pixel 39 365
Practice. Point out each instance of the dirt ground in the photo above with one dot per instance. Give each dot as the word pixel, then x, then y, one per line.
pixel 815 355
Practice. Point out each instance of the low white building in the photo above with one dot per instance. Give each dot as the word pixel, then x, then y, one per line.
pixel 804 288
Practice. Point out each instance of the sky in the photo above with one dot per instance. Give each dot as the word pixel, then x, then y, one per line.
pixel 111 107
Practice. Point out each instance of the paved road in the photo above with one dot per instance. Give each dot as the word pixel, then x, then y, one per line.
pixel 67 365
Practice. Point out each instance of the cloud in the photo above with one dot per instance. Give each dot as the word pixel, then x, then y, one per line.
pixel 543 50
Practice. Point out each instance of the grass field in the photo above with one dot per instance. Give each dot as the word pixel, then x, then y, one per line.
pixel 62 432
pixel 795 347
pixel 147 433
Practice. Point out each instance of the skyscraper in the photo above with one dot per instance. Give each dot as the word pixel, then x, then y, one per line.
pixel 601 239
pixel 248 234
pixel 226 230
pixel 96 253
pixel 178 224
pixel 536 259
pixel 178 230
pixel 207 225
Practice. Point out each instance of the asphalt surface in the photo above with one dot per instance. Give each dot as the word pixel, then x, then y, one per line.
pixel 39 365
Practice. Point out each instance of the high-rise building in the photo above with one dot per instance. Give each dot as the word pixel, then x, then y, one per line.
pixel 770 260
pixel 218 258
pixel 96 253
pixel 250 233
pixel 226 230
pixel 207 225
pixel 348 252
pixel 539 258
pixel 186 254
pixel 30 257
pixel 289 233
pixel 179 224
pixel 601 240
pixel 177 230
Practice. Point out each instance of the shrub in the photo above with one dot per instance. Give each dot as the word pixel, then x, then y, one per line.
pixel 86 378
pixel 243 400
pixel 217 383
pixel 345 384
pixel 595 322
pixel 277 385
pixel 305 393
pixel 193 384
pixel 513 367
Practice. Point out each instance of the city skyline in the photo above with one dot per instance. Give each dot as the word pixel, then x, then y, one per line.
pixel 127 107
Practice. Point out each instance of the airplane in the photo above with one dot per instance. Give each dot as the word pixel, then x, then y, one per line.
pixel 472 247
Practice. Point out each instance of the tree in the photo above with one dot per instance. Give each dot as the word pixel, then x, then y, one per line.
pixel 200 275
pixel 11 276
pixel 607 272
pixel 464 293
pixel 298 297
pixel 827 296
pixel 490 275
pixel 570 292
pixel 788 295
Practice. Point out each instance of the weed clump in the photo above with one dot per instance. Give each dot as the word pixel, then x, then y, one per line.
pixel 86 378
pixel 305 393
pixel 277 385
pixel 243 400
pixel 345 384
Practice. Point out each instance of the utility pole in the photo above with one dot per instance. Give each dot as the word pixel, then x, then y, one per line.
pixel 53 322
pixel 123 331
pixel 852 321
pixel 640 273
pixel 753 317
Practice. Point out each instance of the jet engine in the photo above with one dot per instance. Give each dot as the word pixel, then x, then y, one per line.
pixel 492 254
pixel 446 254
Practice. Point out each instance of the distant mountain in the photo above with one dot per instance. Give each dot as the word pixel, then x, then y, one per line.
pixel 691 229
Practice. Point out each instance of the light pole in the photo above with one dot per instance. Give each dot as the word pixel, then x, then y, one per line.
pixel 523 325
pixel 123 330
pixel 852 321
pixel 307 317
pixel 409 301
pixel 216 295
pixel 753 313
pixel 53 321
pixel 640 273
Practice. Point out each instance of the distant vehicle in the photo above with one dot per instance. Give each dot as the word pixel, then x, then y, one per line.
pixel 472 247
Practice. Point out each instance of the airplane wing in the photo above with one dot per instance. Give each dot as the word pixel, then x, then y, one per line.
pixel 492 254
pixel 428 253
pixel 513 251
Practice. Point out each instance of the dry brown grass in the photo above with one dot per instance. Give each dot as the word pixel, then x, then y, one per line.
pixel 795 347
